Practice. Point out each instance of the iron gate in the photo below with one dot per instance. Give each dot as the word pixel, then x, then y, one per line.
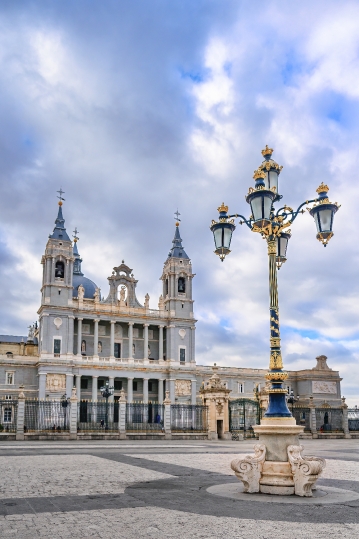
pixel 243 414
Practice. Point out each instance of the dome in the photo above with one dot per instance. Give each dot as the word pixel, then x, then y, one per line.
pixel 88 285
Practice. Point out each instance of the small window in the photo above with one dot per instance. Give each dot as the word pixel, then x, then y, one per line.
pixel 9 355
pixel 10 378
pixel 7 415
pixel 134 386
pixel 181 285
pixel 8 397
pixel 57 346
pixel 84 383
pixel 240 387
pixel 118 385
pixel 59 270
pixel 182 355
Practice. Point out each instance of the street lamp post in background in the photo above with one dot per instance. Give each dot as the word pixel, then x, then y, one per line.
pixel 277 462
pixel 106 392
pixel 291 399
pixel 64 403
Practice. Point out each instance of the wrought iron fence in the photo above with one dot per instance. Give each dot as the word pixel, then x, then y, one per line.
pixel 97 416
pixel 189 418
pixel 8 416
pixel 46 416
pixel 302 417
pixel 329 419
pixel 353 418
pixel 243 414
pixel 144 417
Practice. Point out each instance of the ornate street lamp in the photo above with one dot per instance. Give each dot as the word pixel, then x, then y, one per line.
pixel 291 399
pixel 272 225
pixel 64 403
pixel 106 392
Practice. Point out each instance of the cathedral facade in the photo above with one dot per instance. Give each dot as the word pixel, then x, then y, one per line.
pixel 83 339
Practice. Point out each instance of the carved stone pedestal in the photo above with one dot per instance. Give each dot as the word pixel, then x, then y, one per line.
pixel 277 466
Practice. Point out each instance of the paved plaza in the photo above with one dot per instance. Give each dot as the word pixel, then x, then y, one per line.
pixel 138 489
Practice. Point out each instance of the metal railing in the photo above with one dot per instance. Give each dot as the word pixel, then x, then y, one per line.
pixel 97 417
pixel 353 419
pixel 329 419
pixel 144 417
pixel 189 418
pixel 46 416
pixel 243 415
pixel 8 416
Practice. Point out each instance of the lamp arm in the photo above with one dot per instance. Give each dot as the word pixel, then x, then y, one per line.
pixel 243 220
pixel 294 214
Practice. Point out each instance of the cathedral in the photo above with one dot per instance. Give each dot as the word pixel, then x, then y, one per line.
pixel 82 339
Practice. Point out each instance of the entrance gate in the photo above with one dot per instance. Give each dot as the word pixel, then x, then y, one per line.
pixel 243 415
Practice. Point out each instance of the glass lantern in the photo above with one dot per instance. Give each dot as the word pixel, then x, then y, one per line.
pixel 323 214
pixel 282 244
pixel 222 233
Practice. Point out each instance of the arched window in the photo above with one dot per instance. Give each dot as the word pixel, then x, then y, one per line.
pixel 181 285
pixel 59 270
pixel 166 287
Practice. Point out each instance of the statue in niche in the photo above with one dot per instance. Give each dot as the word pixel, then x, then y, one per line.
pixel 99 347
pixel 122 296
pixel 97 295
pixel 83 347
pixel 149 351
pixel 133 350
pixel 80 292
pixel 147 301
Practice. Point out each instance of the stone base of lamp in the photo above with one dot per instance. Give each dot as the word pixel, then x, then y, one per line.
pixel 277 466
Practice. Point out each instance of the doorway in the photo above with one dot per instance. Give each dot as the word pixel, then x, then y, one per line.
pixel 220 428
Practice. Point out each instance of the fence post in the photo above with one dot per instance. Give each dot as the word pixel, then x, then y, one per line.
pixel 122 404
pixel 312 418
pixel 73 415
pixel 344 407
pixel 167 417
pixel 20 421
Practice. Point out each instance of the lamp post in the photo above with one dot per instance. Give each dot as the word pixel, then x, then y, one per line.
pixel 106 392
pixel 273 226
pixel 64 403
pixel 291 399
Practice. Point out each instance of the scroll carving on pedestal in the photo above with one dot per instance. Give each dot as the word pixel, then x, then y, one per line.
pixel 249 469
pixel 305 470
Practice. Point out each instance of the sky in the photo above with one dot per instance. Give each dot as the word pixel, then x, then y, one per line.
pixel 137 108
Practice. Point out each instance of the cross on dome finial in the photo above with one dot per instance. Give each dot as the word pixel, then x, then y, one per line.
pixel 177 214
pixel 75 236
pixel 61 192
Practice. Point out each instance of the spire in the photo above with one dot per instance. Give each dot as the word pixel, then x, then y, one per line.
pixel 78 259
pixel 59 232
pixel 177 250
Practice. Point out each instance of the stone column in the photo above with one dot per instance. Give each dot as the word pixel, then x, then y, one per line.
pixel 172 390
pixel 20 419
pixel 45 333
pixel 78 386
pixel 160 343
pixel 42 385
pixel 94 388
pixel 122 415
pixel 69 384
pixel 112 339
pixel 193 344
pixel 130 339
pixel 73 415
pixel 95 338
pixel 193 391
pixel 79 335
pixel 167 417
pixel 130 390
pixel 145 341
pixel 145 390
pixel 70 335
pixel 160 391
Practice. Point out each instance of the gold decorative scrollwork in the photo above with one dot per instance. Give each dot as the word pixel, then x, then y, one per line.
pixel 276 361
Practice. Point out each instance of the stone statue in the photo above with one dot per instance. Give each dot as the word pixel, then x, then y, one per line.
pixel 148 351
pixel 97 295
pixel 122 293
pixel 133 350
pixel 31 334
pixel 83 347
pixel 80 292
pixel 147 301
pixel 99 347
pixel 161 303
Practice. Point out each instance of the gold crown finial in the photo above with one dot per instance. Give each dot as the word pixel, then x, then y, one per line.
pixel 267 151
pixel 222 207
pixel 322 188
pixel 259 174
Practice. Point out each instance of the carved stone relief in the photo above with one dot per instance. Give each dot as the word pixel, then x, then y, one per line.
pixel 55 382
pixel 324 387
pixel 182 387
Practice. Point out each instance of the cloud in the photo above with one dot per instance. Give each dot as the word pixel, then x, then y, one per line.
pixel 136 110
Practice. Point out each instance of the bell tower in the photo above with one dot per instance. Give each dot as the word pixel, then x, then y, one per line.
pixel 177 279
pixel 56 317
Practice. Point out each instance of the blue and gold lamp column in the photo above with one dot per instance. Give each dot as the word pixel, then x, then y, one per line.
pixel 274 227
